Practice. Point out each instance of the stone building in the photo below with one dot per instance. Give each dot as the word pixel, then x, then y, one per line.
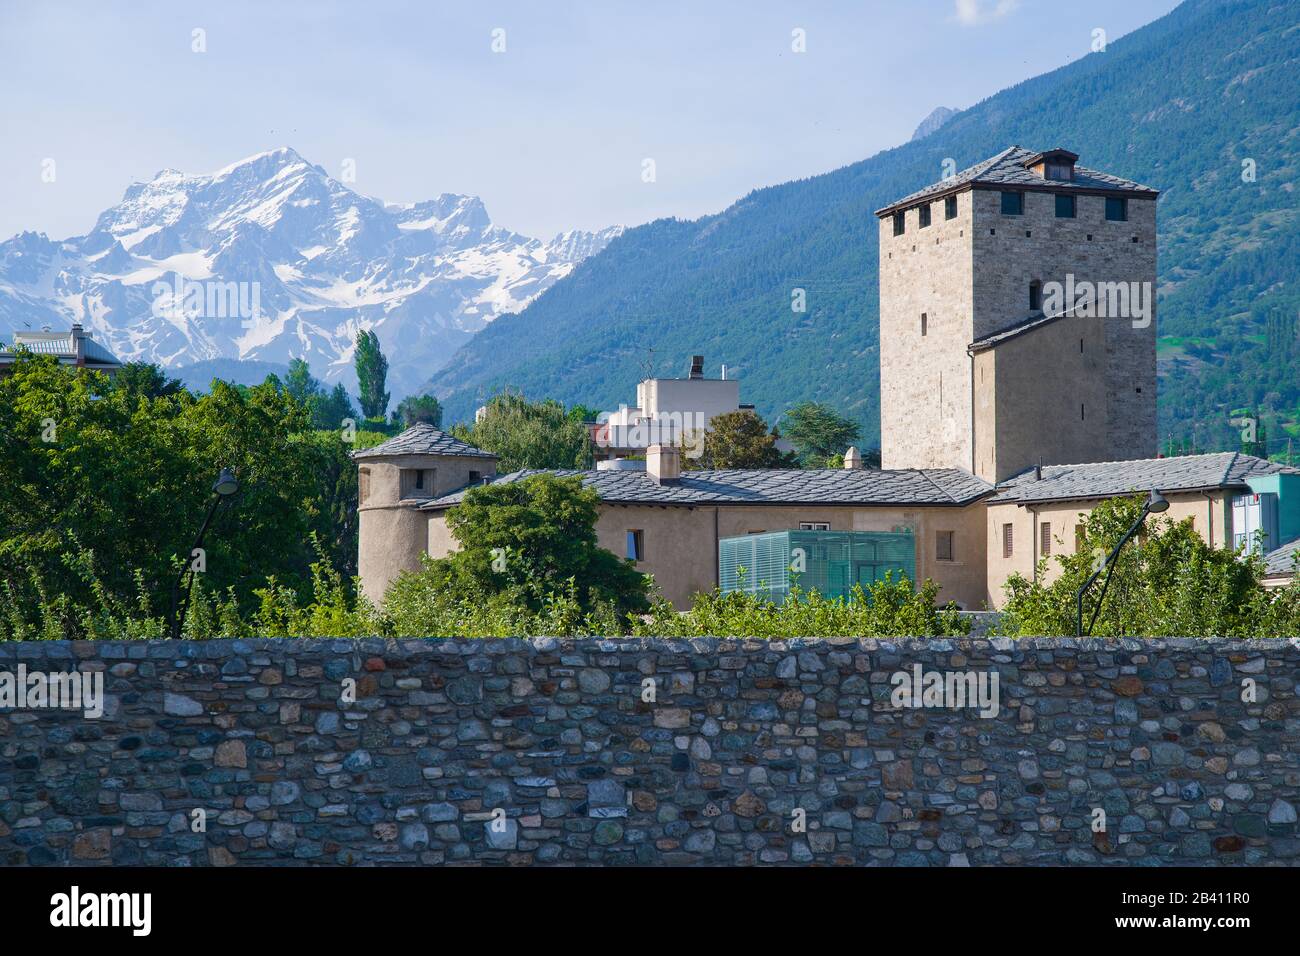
pixel 981 366
pixel 1018 390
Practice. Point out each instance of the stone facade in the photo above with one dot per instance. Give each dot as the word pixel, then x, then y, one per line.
pixel 970 277
pixel 550 751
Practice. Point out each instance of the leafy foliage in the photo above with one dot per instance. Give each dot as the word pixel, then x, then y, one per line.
pixel 372 374
pixel 1166 582
pixel 887 608
pixel 415 409
pixel 528 434
pixel 820 434
pixel 739 440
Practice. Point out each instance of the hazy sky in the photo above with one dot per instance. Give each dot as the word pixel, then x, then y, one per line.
pixel 552 133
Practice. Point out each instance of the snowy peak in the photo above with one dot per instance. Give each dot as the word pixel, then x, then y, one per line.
pixel 271 258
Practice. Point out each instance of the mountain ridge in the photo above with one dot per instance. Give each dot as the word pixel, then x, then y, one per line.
pixel 314 259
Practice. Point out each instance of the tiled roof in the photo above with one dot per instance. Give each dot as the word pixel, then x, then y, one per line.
pixel 838 486
pixel 1110 478
pixel 1282 561
pixel 1007 169
pixel 423 440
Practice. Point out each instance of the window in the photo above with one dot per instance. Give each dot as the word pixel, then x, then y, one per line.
pixel 925 215
pixel 1007 540
pixel 1065 207
pixel 1059 171
pixel 1045 538
pixel 417 482
pixel 950 208
pixel 899 222
pixel 924 323
pixel 363 485
pixel 636 545
pixel 814 526
pixel 1013 204
pixel 1035 296
pixel 1116 209
pixel 474 477
pixel 943 545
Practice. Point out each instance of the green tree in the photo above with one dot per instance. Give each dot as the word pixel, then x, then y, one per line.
pixel 329 409
pixel 146 379
pixel 120 479
pixel 818 433
pixel 372 375
pixel 739 440
pixel 529 543
pixel 418 408
pixel 1167 581
pixel 528 434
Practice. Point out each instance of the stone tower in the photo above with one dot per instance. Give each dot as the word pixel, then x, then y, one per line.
pixel 1017 318
pixel 393 480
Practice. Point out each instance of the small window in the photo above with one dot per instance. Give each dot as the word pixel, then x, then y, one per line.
pixel 1116 209
pixel 943 546
pixel 636 545
pixel 363 485
pixel 419 479
pixel 899 223
pixel 950 208
pixel 1008 542
pixel 1065 206
pixel 814 526
pixel 1013 204
pixel 925 215
pixel 1035 296
pixel 1045 538
pixel 417 482
pixel 925 322
pixel 474 477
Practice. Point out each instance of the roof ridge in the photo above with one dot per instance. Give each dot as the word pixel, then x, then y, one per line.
pixel 1228 471
pixel 926 475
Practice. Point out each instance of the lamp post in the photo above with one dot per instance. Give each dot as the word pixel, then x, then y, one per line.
pixel 1155 504
pixel 225 486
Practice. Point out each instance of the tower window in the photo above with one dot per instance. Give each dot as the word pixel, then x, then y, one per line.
pixel 950 207
pixel 900 222
pixel 925 215
pixel 1116 209
pixel 1035 296
pixel 1008 540
pixel 363 485
pixel 1013 204
pixel 1065 206
pixel 925 322
pixel 1045 535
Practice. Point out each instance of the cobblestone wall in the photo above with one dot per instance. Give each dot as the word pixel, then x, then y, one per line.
pixel 655 752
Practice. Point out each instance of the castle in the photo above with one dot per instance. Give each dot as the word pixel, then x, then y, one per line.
pixel 1017 391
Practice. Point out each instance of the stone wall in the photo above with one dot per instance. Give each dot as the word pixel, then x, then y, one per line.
pixel 551 752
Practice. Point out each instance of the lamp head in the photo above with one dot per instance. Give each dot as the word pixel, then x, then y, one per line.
pixel 226 484
pixel 1157 503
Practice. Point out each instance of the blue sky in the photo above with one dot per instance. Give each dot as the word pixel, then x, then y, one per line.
pixel 552 133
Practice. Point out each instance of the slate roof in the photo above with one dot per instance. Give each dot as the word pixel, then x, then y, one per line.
pixel 1006 169
pixel 423 440
pixel 838 486
pixel 1110 478
pixel 1022 325
pixel 62 345
pixel 1282 561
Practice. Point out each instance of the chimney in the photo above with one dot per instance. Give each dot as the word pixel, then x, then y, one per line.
pixel 663 463
pixel 853 459
pixel 697 366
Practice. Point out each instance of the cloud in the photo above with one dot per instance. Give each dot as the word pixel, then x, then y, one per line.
pixel 974 12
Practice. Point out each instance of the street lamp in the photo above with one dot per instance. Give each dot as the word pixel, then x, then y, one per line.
pixel 225 486
pixel 1154 505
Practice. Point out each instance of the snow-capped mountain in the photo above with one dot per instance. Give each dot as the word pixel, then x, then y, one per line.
pixel 272 259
